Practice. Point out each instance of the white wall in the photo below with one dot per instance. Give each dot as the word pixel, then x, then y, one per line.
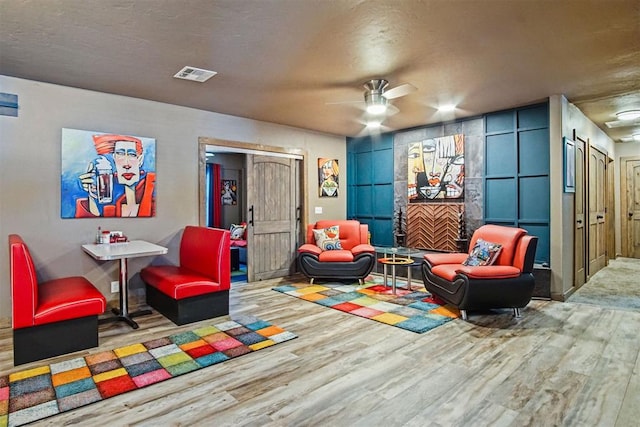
pixel 565 118
pixel 30 174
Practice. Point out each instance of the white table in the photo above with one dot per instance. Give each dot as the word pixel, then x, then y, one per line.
pixel 122 252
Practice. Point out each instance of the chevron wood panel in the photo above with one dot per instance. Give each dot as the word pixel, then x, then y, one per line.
pixel 433 225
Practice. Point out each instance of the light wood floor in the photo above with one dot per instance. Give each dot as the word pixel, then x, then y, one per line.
pixel 562 364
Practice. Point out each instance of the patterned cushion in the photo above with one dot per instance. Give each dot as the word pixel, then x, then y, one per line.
pixel 328 239
pixel 483 253
pixel 237 231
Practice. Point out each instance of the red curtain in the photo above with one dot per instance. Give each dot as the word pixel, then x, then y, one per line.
pixel 215 202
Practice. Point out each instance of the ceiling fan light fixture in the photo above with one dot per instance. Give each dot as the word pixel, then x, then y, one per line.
pixel 636 137
pixel 376 103
pixel 628 115
pixel 373 124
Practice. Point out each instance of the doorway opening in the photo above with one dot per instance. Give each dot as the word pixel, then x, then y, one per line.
pixel 269 195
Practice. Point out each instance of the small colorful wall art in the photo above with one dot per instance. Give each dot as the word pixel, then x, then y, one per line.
pixel 436 169
pixel 328 172
pixel 229 192
pixel 107 175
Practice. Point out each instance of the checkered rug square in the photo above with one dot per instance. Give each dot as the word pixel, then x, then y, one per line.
pixel 414 309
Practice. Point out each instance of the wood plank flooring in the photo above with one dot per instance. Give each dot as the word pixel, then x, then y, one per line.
pixel 561 364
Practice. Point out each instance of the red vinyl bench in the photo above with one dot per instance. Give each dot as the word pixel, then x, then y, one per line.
pixel 50 318
pixel 198 288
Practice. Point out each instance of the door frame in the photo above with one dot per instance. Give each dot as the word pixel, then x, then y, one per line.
pixel 250 148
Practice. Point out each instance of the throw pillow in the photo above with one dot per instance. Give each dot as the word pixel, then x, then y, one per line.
pixel 237 231
pixel 328 239
pixel 483 253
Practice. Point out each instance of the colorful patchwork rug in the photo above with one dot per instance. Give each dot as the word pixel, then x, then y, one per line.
pixel 37 393
pixel 415 310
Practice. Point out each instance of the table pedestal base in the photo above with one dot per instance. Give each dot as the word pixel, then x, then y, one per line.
pixel 128 318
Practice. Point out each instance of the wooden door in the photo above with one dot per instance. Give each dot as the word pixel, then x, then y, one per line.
pixel 272 191
pixel 597 201
pixel 580 230
pixel 630 201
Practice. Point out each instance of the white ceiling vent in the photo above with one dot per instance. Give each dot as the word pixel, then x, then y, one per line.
pixel 195 74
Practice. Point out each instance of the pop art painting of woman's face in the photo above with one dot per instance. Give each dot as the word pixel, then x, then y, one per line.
pixel 107 175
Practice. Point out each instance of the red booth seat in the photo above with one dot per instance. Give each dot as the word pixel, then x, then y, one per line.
pixel 198 288
pixel 50 318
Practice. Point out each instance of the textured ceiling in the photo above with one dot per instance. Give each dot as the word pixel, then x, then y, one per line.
pixel 283 61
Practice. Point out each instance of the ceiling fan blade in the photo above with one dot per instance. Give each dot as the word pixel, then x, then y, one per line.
pixel 344 102
pixel 391 110
pixel 399 91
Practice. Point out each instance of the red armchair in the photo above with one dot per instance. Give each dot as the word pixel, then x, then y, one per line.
pixel 353 260
pixel 50 318
pixel 198 288
pixel 507 283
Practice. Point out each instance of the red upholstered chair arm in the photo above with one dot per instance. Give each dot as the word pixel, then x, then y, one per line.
pixel 364 233
pixel 449 258
pixel 309 248
pixel 363 247
pixel 489 271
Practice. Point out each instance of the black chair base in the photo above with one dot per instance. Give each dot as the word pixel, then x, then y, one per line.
pixel 54 339
pixel 358 269
pixel 189 310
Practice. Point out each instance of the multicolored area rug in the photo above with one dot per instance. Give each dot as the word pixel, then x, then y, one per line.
pixel 415 310
pixel 37 393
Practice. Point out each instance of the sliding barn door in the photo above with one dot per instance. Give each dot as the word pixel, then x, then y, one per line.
pixel 272 190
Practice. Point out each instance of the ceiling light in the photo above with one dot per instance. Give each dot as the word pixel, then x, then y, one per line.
pixel 628 115
pixel 636 137
pixel 373 124
pixel 376 103
pixel 447 108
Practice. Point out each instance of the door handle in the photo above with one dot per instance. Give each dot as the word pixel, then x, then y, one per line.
pixel 579 221
pixel 599 217
pixel 251 215
pixel 630 214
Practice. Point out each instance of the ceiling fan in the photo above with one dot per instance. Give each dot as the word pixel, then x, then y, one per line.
pixel 376 96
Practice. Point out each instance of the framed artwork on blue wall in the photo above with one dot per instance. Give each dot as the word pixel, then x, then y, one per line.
pixel 569 165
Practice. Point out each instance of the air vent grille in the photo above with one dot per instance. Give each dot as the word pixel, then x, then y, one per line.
pixel 194 74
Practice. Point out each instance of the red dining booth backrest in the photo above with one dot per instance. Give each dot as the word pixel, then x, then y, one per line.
pixel 206 251
pixel 24 284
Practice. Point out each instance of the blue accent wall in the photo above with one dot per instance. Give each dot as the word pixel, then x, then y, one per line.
pixel 370 188
pixel 517 172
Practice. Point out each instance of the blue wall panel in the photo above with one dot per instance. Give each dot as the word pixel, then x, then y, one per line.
pixel 382 173
pixel 534 152
pixel 534 117
pixel 534 204
pixel 363 168
pixel 499 122
pixel 383 200
pixel 500 199
pixel 500 155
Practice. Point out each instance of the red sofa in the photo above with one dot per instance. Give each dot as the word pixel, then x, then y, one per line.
pixel 50 318
pixel 198 288
pixel 354 261
pixel 507 283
